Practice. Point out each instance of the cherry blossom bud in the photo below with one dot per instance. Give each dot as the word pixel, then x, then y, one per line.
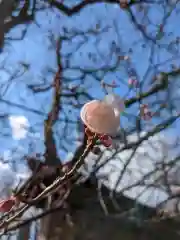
pixel 106 140
pixel 147 116
pixel 145 113
pixel 143 106
pixel 6 205
pixel 100 118
pixel 133 82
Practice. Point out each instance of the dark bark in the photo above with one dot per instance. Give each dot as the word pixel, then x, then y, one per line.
pixel 90 222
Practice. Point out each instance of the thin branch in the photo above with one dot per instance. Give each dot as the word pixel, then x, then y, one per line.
pixel 78 7
pixel 51 156
pixel 69 11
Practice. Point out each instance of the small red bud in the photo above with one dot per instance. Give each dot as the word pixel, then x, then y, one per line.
pixel 6 205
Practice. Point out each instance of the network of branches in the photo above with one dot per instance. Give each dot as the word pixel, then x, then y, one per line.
pixel 151 95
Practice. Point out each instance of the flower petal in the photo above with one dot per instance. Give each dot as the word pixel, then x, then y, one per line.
pixel 115 101
pixel 100 117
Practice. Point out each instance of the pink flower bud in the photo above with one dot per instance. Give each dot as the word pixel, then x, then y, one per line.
pixel 6 205
pixel 147 116
pixel 133 82
pixel 145 113
pixel 106 140
pixel 143 106
pixel 100 117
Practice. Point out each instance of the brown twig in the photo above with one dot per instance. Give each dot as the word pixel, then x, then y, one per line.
pixel 50 189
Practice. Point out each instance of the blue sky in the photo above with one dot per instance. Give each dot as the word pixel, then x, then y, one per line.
pixel 37 52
